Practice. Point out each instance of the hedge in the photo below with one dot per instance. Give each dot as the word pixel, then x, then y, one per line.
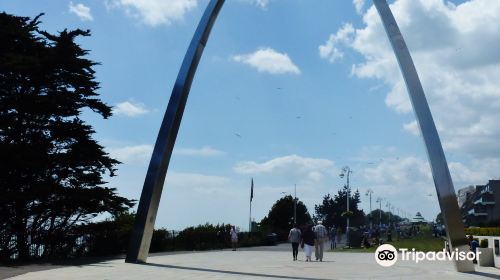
pixel 489 231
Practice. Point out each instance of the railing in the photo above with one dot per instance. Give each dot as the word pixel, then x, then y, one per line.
pixel 115 242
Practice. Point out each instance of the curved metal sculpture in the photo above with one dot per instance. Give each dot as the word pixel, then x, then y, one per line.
pixel 157 170
pixel 439 167
pixel 153 185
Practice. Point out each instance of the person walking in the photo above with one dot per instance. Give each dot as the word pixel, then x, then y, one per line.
pixel 234 238
pixel 389 234
pixel 320 236
pixel 473 244
pixel 307 242
pixel 333 241
pixel 339 236
pixel 294 238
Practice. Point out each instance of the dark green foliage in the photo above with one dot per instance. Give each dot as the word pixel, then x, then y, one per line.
pixel 52 169
pixel 333 210
pixel 202 237
pixel 355 237
pixel 439 218
pixel 489 231
pixel 386 217
pixel 280 218
pixel 109 237
pixel 483 243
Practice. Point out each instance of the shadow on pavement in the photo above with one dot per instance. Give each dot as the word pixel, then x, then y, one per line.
pixel 484 274
pixel 8 270
pixel 232 272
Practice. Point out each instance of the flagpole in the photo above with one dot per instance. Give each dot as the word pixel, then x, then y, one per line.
pixel 250 215
pixel 250 218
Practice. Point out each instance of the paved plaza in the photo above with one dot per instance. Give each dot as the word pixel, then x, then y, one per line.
pixel 258 263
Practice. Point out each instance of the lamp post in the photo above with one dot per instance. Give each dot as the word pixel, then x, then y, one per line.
pixel 346 171
pixel 388 205
pixel 295 204
pixel 369 192
pixel 392 213
pixel 379 200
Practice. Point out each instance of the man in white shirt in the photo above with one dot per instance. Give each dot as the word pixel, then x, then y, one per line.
pixel 321 234
pixel 234 238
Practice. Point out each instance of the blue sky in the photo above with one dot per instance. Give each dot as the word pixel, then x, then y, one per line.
pixel 289 92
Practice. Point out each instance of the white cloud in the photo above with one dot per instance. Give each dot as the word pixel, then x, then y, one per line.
pixel 477 172
pixel 405 175
pixel 309 169
pixel 412 127
pixel 359 4
pixel 330 49
pixel 459 75
pixel 82 11
pixel 205 151
pixel 398 172
pixel 131 154
pixel 406 180
pixel 261 3
pixel 130 109
pixel 268 60
pixel 196 180
pixel 155 12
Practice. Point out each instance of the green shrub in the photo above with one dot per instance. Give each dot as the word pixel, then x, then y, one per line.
pixel 489 231
pixel 483 243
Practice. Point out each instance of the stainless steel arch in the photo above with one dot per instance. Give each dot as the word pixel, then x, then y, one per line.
pixel 439 167
pixel 153 185
pixel 157 170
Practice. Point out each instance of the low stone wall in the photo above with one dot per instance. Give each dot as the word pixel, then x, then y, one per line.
pixel 494 243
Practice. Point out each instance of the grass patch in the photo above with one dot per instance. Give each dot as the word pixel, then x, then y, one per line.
pixel 355 250
pixel 423 242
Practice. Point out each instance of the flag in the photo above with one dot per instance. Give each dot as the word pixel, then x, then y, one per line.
pixel 251 191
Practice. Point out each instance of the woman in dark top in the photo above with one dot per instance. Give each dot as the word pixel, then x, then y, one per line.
pixel 308 242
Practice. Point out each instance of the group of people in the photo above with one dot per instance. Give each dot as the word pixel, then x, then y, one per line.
pixel 371 236
pixel 313 237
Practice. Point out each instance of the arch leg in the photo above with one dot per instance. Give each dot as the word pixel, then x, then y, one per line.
pixel 439 167
pixel 147 209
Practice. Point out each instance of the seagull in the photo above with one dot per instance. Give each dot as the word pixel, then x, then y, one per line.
pixel 278 88
pixel 298 117
pixel 237 135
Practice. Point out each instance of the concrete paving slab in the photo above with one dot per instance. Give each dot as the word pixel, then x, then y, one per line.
pixel 254 264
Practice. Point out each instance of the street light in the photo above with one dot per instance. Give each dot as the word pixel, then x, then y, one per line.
pixel 388 205
pixel 346 171
pixel 294 203
pixel 379 200
pixel 369 192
